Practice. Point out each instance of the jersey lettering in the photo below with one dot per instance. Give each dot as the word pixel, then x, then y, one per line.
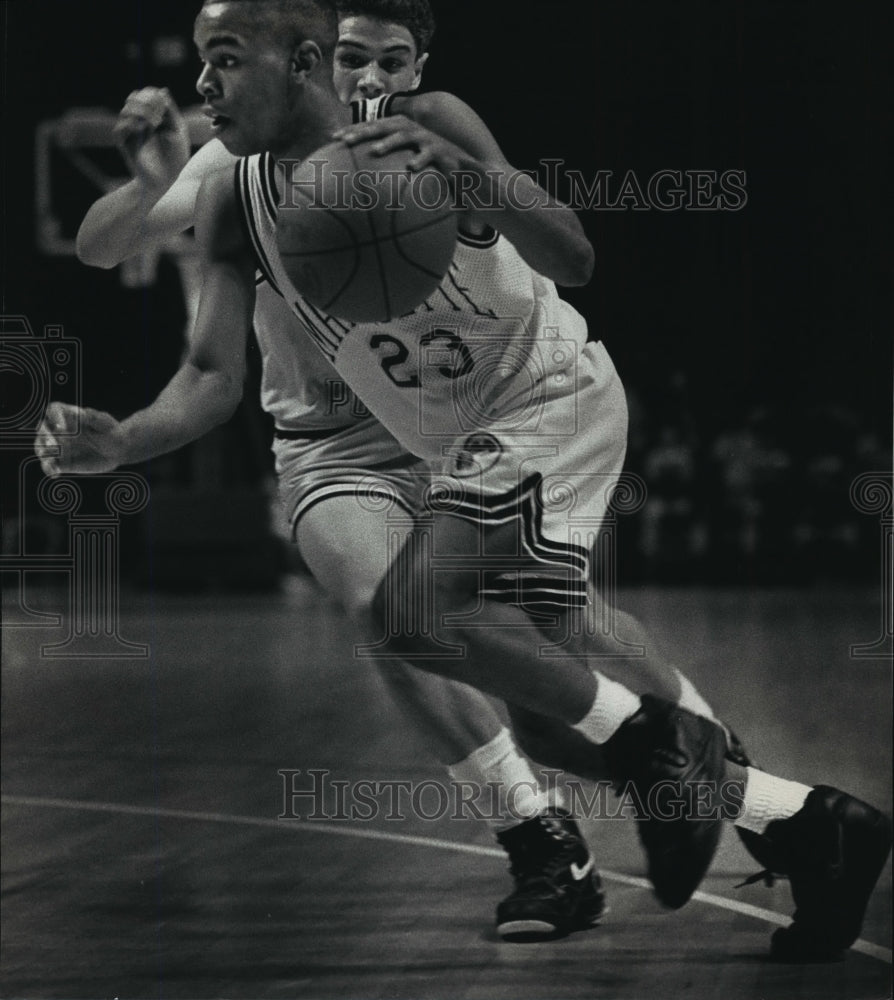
pixel 392 361
pixel 455 346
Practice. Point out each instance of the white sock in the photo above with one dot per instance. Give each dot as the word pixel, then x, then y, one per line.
pixel 768 798
pixel 510 792
pixel 613 706
pixel 691 700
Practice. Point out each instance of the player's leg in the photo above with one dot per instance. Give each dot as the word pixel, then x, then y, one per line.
pixel 502 539
pixel 345 547
pixel 832 848
pixel 431 617
pixel 346 515
pixel 345 542
pixel 648 742
pixel 347 518
pixel 625 653
pixel 830 845
pixel 508 529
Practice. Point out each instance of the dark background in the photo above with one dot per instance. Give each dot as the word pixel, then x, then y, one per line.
pixel 755 345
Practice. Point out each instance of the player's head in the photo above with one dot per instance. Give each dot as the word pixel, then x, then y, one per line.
pixel 264 60
pixel 382 46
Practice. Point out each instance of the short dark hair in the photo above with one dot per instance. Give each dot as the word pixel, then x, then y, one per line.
pixel 296 21
pixel 415 15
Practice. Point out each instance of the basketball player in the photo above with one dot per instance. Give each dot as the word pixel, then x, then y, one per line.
pixel 330 459
pixel 266 82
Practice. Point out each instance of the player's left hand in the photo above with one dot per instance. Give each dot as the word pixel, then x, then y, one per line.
pixel 400 132
pixel 74 439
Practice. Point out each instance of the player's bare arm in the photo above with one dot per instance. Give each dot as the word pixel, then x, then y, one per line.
pixel 447 135
pixel 206 389
pixel 159 202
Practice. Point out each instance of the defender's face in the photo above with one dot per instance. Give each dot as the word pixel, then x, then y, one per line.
pixel 373 58
pixel 244 82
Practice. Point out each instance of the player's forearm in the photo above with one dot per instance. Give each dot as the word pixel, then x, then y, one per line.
pixel 193 403
pixel 112 230
pixel 547 234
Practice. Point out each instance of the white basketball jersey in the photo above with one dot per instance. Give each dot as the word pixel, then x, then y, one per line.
pixel 494 341
pixel 299 387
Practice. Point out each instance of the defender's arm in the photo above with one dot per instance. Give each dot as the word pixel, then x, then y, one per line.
pixel 159 202
pixel 447 135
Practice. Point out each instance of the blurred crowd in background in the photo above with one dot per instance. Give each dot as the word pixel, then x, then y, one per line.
pixel 761 497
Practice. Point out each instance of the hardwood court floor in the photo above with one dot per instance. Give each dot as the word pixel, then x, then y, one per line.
pixel 144 856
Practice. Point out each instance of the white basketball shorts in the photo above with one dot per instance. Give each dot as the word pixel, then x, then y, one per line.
pixel 551 475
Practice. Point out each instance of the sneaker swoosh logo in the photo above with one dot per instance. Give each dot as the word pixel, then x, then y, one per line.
pixel 578 873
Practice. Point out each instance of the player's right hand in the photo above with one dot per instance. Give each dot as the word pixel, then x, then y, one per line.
pixel 72 439
pixel 153 137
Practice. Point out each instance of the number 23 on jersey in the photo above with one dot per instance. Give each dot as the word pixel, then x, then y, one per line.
pixel 441 349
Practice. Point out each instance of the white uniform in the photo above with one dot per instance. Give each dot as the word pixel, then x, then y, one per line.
pixel 299 388
pixel 326 442
pixel 493 382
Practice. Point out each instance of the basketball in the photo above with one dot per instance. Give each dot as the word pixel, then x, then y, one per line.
pixel 360 237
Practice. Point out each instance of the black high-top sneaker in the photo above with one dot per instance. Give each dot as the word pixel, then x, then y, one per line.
pixel 557 888
pixel 832 851
pixel 675 761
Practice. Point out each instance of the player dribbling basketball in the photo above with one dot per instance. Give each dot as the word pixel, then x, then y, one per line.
pixel 332 458
pixel 644 739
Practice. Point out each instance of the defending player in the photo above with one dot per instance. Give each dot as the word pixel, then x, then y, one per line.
pixel 290 110
pixel 330 455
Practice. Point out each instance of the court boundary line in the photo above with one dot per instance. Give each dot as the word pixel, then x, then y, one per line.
pixel 228 819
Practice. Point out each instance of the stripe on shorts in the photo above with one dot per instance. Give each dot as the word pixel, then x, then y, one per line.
pixel 523 503
pixel 537 593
